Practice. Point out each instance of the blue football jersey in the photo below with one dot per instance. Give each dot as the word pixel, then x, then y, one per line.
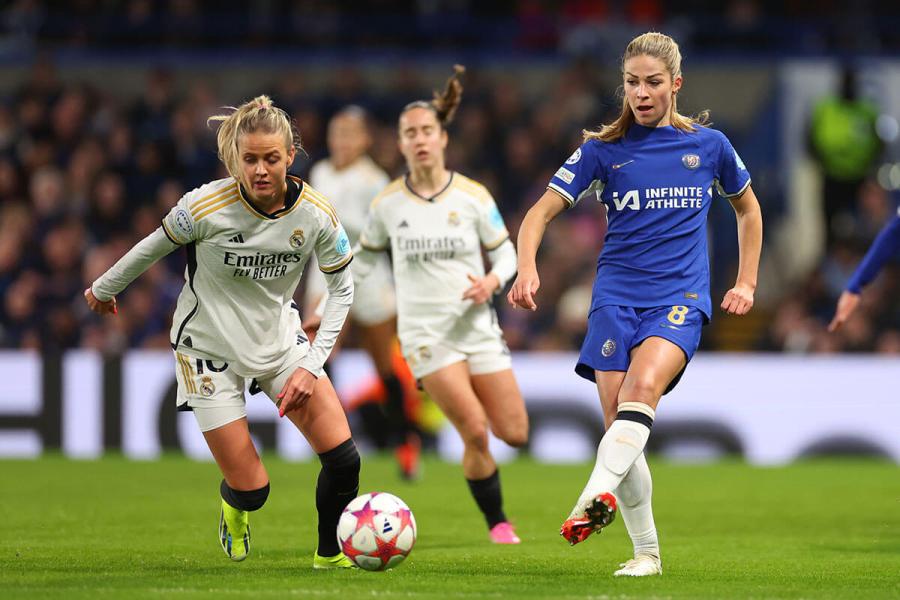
pixel 657 185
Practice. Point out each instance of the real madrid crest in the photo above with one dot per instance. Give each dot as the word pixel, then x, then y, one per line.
pixel 207 387
pixel 453 218
pixel 609 347
pixel 297 238
pixel 690 161
pixel 425 353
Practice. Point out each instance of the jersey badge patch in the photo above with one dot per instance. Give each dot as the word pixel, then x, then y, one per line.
pixel 690 161
pixel 453 218
pixel 576 156
pixel 183 222
pixel 342 245
pixel 207 387
pixel 297 238
pixel 424 353
pixel 496 219
pixel 609 348
pixel 565 174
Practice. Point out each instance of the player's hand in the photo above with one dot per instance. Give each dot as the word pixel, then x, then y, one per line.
pixel 847 303
pixel 738 300
pixel 101 308
pixel 297 391
pixel 482 288
pixel 523 290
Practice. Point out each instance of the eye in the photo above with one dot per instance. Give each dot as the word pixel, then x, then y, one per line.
pixel 631 82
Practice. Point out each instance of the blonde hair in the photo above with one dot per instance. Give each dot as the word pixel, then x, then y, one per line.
pixel 444 104
pixel 259 114
pixel 664 48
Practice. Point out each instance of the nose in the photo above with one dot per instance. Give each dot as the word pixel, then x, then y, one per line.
pixel 260 168
pixel 642 91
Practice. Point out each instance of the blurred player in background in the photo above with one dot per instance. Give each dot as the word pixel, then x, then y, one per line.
pixel 351 180
pixel 248 238
pixel 435 223
pixel 655 170
pixel 885 247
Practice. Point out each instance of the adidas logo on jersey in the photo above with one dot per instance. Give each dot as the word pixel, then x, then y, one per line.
pixel 238 239
pixel 403 223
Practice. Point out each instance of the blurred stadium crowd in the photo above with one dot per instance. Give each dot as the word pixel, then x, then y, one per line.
pixel 84 174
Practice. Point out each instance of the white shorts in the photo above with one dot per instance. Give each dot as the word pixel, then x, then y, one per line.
pixel 374 300
pixel 485 358
pixel 215 393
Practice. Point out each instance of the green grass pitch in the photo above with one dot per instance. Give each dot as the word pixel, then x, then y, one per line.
pixel 120 529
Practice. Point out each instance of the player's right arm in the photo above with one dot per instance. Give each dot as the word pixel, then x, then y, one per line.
pixel 574 180
pixel 177 228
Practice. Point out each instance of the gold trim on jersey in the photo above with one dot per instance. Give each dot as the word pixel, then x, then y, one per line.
pixel 337 267
pixel 370 247
pixel 168 233
pixel 474 188
pixel 391 188
pixel 209 209
pixel 317 199
pixel 187 373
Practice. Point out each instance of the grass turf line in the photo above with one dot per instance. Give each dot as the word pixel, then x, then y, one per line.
pixel 121 529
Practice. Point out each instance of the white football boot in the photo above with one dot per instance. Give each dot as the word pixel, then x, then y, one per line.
pixel 640 566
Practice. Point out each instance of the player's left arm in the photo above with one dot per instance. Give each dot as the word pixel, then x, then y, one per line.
pixel 739 299
pixel 334 256
pixel 495 238
pixel 886 245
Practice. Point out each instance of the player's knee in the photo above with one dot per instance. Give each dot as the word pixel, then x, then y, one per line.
pixel 640 389
pixel 341 465
pixel 515 434
pixel 244 499
pixel 475 435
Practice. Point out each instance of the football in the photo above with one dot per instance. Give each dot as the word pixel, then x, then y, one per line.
pixel 377 531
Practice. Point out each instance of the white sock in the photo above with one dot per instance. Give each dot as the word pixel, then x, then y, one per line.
pixel 623 442
pixel 635 495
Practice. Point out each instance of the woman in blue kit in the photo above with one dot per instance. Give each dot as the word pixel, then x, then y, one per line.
pixel 657 172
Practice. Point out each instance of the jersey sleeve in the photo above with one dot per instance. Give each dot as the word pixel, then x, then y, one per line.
pixel 374 235
pixel 885 247
pixel 180 225
pixel 580 175
pixel 732 177
pixel 491 229
pixel 333 247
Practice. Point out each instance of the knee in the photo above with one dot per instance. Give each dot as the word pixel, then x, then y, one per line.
pixel 244 499
pixel 475 435
pixel 515 434
pixel 640 389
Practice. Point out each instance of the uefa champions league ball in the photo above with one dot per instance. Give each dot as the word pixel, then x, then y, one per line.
pixel 376 531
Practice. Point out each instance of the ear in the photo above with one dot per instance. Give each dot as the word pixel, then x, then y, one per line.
pixel 444 138
pixel 291 155
pixel 676 84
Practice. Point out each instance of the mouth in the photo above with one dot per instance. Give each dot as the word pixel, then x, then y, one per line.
pixel 644 108
pixel 260 185
pixel 422 154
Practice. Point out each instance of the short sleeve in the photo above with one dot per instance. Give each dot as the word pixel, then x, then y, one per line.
pixel 180 225
pixel 491 229
pixel 333 248
pixel 579 175
pixel 732 177
pixel 374 235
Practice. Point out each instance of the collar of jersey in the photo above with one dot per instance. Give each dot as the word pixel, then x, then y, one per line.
pixel 294 189
pixel 432 199
pixel 638 132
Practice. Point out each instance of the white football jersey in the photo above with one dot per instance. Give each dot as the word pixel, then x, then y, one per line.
pixel 435 244
pixel 243 268
pixel 351 191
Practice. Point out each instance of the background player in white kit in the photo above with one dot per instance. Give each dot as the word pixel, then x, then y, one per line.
pixel 351 179
pixel 248 238
pixel 435 223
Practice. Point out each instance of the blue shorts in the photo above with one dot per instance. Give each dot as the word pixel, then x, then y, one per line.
pixel 614 330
